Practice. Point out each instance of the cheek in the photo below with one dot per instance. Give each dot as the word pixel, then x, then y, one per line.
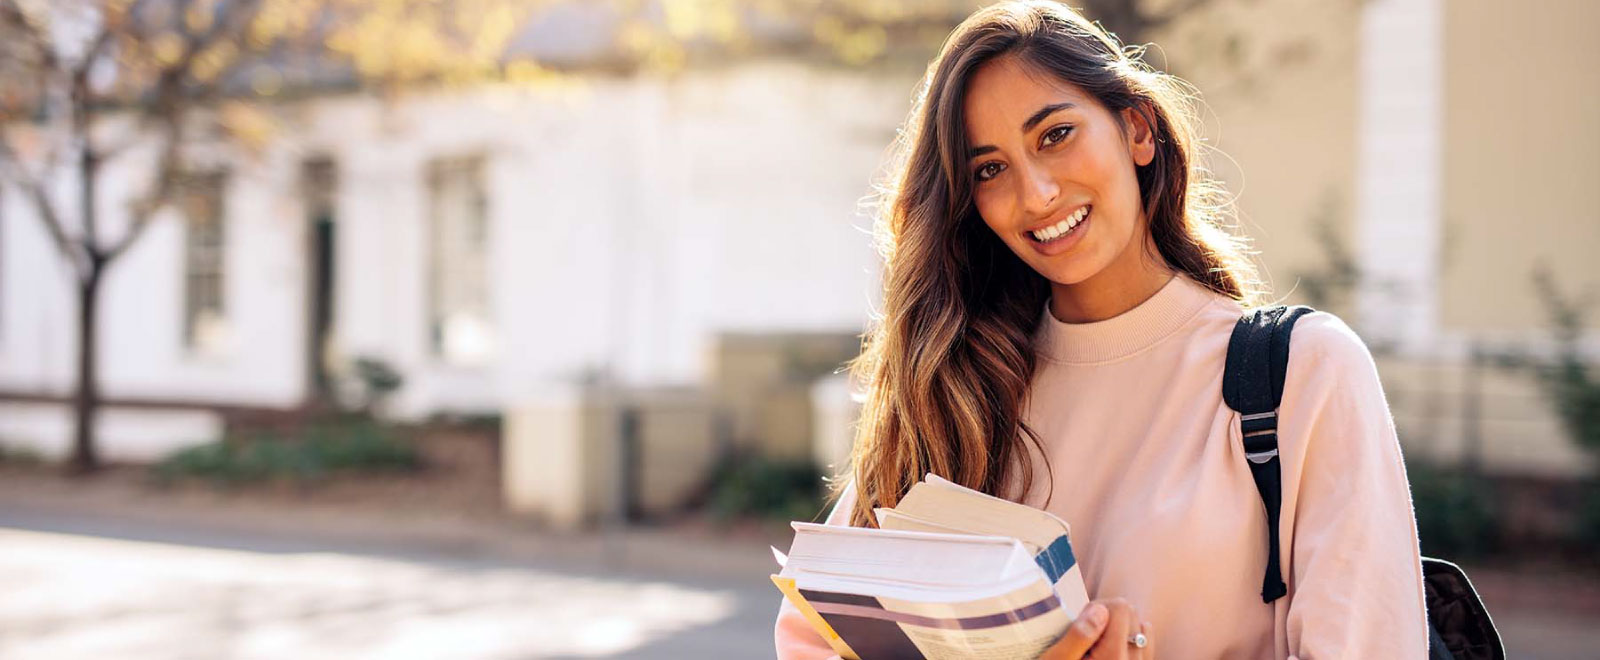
pixel 1110 173
pixel 995 210
pixel 1098 167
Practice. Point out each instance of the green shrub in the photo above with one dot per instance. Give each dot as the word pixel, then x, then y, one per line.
pixel 379 380
pixel 19 455
pixel 1456 513
pixel 1573 387
pixel 308 454
pixel 1587 521
pixel 761 487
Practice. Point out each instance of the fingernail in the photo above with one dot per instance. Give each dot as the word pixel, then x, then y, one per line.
pixel 1097 615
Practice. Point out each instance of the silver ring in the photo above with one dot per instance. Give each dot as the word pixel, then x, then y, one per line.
pixel 1139 641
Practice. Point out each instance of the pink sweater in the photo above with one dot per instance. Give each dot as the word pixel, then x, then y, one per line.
pixel 1149 471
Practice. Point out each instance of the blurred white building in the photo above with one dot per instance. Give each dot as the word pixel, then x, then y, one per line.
pixel 485 243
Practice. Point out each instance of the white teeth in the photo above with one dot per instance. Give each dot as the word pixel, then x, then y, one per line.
pixel 1056 230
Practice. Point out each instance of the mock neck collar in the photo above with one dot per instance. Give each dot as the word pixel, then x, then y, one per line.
pixel 1173 305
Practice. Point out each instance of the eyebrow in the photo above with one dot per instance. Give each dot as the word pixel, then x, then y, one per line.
pixel 1044 112
pixel 1033 120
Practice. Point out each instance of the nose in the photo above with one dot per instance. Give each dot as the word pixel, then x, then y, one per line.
pixel 1039 189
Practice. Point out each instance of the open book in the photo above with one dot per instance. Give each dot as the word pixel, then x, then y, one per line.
pixel 950 573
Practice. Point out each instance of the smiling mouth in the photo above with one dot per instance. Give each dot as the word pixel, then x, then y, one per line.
pixel 1061 229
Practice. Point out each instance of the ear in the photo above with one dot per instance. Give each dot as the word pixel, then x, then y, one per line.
pixel 1141 137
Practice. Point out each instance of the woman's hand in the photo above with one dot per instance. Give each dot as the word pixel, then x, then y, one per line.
pixel 1101 632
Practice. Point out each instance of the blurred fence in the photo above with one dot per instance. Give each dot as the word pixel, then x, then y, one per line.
pixel 1482 415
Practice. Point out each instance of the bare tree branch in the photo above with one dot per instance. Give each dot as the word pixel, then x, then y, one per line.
pixel 168 110
pixel 102 40
pixel 144 209
pixel 11 14
pixel 36 192
pixel 88 161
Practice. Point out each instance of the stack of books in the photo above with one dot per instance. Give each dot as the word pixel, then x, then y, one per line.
pixel 949 573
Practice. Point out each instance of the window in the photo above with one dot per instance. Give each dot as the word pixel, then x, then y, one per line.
pixel 319 186
pixel 458 312
pixel 200 197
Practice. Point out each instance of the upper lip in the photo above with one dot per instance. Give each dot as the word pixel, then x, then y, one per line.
pixel 1057 220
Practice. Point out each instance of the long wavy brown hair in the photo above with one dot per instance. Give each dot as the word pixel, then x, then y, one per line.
pixel 948 362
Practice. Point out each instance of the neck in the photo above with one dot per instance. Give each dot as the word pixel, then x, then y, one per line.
pixel 1119 287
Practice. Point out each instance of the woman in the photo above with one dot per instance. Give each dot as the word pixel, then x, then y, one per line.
pixel 1059 295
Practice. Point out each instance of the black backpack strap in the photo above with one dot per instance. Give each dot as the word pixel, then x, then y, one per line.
pixel 1252 384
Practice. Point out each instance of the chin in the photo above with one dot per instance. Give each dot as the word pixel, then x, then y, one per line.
pixel 1070 270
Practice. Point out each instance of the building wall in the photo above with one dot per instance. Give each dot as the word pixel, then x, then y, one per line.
pixel 141 338
pixel 630 219
pixel 1522 160
pixel 1279 107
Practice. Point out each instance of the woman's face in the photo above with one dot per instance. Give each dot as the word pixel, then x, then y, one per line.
pixel 1053 172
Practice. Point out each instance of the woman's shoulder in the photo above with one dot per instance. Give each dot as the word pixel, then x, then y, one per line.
pixel 1318 337
pixel 1323 340
pixel 1323 348
pixel 1330 365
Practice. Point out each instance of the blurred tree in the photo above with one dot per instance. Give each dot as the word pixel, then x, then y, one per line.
pixel 663 34
pixel 85 82
pixel 1137 21
pixel 1573 387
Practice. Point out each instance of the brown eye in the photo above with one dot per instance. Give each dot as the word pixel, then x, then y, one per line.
pixel 988 171
pixel 1057 134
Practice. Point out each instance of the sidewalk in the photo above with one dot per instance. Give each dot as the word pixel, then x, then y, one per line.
pixel 117 508
pixel 101 570
pixel 1543 613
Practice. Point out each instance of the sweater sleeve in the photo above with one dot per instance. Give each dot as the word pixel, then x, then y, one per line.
pixel 795 638
pixel 1350 539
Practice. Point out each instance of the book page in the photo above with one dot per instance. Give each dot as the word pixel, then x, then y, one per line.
pixel 1020 624
pixel 895 519
pixel 907 556
pixel 953 505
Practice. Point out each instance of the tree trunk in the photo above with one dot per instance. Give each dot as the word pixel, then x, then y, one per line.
pixel 87 402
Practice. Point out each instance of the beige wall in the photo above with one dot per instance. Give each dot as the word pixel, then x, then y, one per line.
pixel 1284 114
pixel 677 446
pixel 1522 157
pixel 563 459
pixel 1521 142
pixel 559 460
pixel 763 384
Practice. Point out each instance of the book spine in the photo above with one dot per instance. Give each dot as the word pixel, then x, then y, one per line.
pixel 1057 558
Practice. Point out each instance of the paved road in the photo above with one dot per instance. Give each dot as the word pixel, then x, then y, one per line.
pixel 100 588
pixel 91 584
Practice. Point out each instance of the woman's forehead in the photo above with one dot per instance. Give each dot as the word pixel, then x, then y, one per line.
pixel 1006 92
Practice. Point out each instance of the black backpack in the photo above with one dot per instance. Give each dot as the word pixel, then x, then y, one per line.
pixel 1459 628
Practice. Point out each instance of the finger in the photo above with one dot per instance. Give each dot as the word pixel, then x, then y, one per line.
pixel 1083 633
pixel 1149 650
pixel 1113 643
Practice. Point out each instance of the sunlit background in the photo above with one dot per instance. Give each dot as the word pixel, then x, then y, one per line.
pixel 515 328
